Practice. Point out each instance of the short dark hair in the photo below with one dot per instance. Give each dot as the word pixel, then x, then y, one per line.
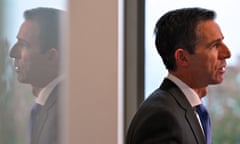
pixel 177 29
pixel 49 22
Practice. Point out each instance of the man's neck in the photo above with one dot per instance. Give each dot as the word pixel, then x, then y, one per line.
pixel 36 91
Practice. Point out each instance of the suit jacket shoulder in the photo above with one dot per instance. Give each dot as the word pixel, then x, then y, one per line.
pixel 165 116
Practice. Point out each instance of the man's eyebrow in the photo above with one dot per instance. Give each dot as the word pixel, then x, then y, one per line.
pixel 20 39
pixel 215 41
pixel 23 41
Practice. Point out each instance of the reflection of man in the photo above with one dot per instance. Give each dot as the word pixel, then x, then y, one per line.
pixel 191 46
pixel 37 62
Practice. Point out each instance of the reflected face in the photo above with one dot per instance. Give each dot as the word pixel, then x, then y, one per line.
pixel 29 60
pixel 209 61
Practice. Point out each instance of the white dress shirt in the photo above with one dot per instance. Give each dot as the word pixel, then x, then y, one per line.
pixel 45 92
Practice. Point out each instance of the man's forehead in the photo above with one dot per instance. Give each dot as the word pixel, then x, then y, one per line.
pixel 209 30
pixel 28 31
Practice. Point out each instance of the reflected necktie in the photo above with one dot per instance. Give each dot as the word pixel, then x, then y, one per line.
pixel 33 118
pixel 205 121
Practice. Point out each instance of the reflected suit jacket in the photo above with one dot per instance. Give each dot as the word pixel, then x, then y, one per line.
pixel 165 117
pixel 46 130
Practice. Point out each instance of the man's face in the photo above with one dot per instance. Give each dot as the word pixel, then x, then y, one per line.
pixel 29 61
pixel 209 61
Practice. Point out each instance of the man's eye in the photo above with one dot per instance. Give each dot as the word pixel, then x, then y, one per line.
pixel 217 45
pixel 22 45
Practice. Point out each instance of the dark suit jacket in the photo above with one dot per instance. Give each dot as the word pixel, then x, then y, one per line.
pixel 166 117
pixel 47 129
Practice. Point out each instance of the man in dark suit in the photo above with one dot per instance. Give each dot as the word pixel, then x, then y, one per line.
pixel 37 61
pixel 191 46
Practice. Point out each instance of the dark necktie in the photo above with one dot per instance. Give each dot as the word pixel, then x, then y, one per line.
pixel 33 118
pixel 205 121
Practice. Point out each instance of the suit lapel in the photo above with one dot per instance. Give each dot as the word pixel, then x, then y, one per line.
pixel 184 104
pixel 194 123
pixel 41 118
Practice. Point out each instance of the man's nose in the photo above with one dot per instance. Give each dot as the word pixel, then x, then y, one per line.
pixel 14 52
pixel 225 52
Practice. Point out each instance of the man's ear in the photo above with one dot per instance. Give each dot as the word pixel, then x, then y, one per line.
pixel 182 57
pixel 53 55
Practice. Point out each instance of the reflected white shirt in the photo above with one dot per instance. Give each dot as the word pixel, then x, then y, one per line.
pixel 45 92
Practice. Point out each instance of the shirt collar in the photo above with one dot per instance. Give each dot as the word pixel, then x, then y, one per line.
pixel 45 92
pixel 190 94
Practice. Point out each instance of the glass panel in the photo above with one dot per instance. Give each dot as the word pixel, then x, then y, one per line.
pixel 223 100
pixel 15 98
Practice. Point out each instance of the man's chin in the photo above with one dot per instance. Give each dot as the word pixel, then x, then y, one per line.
pixel 21 80
pixel 218 81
